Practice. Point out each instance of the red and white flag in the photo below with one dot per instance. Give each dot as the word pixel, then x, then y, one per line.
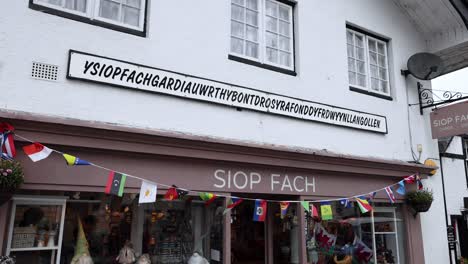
pixel 7 144
pixel 389 192
pixel 37 151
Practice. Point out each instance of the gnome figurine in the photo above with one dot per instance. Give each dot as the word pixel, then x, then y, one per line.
pixel 197 259
pixel 126 254
pixel 82 255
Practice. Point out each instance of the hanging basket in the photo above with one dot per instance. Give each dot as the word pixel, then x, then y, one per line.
pixel 421 207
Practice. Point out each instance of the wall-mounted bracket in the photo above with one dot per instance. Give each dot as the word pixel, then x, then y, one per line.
pixel 426 97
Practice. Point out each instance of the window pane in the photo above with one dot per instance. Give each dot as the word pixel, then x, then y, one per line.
pixel 382 61
pixel 361 80
pixel 252 4
pixel 131 16
pixel 284 28
pixel 271 8
pixel 350 51
pixel 53 2
pixel 109 10
pixel 78 5
pixel 240 2
pixel 284 43
pixel 383 73
pixel 284 58
pixel 374 72
pixel 271 40
pixel 384 86
pixel 252 33
pixel 252 18
pixel 349 37
pixel 271 24
pixel 359 41
pixel 284 13
pixel 352 77
pixel 360 53
pixel 372 45
pixel 361 66
pixel 374 84
pixel 373 58
pixel 237 13
pixel 351 64
pixel 237 29
pixel 134 3
pixel 237 46
pixel 381 48
pixel 272 55
pixel 251 49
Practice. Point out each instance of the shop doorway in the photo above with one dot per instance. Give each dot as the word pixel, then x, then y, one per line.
pixel 275 241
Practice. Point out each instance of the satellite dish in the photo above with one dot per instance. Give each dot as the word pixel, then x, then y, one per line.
pixel 425 66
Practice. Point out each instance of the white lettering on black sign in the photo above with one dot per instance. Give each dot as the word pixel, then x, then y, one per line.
pixel 110 71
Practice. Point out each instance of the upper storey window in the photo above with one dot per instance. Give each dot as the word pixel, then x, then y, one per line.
pixel 123 14
pixel 262 31
pixel 367 63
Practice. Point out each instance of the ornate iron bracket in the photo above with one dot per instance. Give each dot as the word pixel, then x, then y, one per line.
pixel 426 97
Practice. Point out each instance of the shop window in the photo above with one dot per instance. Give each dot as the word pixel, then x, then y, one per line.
pixel 262 32
pixel 353 237
pixel 367 62
pixel 115 14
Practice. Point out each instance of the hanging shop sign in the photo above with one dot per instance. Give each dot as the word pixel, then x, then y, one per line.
pixel 449 121
pixel 83 66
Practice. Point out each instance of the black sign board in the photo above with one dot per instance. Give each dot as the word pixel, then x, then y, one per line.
pixel 451 234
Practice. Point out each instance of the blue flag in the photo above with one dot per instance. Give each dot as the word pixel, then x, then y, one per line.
pixel 401 188
pixel 345 202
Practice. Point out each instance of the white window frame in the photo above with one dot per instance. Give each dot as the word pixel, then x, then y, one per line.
pixel 366 38
pixel 262 53
pixel 92 13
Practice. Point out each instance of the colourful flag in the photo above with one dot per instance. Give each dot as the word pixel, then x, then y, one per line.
pixel 419 182
pixel 324 239
pixel 306 205
pixel 361 251
pixel 326 211
pixel 284 209
pixel 390 195
pixel 115 183
pixel 345 202
pixel 401 187
pixel 208 198
pixel 148 192
pixel 260 210
pixel 7 143
pixel 171 194
pixel 363 205
pixel 314 211
pixel 37 151
pixel 72 160
pixel 180 192
pixel 410 179
pixel 371 196
pixel 232 202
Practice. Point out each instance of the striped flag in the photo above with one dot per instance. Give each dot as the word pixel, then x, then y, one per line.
pixel 232 202
pixel 208 198
pixel 419 182
pixel 260 210
pixel 284 208
pixel 410 179
pixel 371 196
pixel 7 143
pixel 37 151
pixel 115 183
pixel 363 205
pixel 390 195
pixel 72 160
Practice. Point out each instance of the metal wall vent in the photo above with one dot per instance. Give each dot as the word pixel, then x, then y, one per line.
pixel 44 71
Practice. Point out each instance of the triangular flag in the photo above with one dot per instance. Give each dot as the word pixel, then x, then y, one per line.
pixel 326 211
pixel 171 194
pixel 180 192
pixel 72 160
pixel 148 192
pixel 345 202
pixel 363 205
pixel 37 151
pixel 401 187
pixel 314 211
pixel 260 210
pixel 7 143
pixel 207 197
pixel 284 209
pixel 232 202
pixel 390 195
pixel 115 183
pixel 306 205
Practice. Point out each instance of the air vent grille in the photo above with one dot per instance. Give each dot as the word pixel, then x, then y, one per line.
pixel 44 71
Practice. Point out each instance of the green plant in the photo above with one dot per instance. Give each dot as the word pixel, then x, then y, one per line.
pixel 11 175
pixel 420 196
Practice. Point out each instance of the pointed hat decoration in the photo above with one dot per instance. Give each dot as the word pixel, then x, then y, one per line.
pixel 82 247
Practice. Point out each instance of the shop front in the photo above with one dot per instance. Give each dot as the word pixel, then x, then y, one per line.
pixel 59 205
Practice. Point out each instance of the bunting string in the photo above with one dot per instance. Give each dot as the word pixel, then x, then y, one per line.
pixel 414 177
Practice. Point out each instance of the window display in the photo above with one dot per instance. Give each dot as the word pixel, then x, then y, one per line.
pixel 352 237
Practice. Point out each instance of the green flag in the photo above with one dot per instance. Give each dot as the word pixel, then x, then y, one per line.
pixel 306 206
